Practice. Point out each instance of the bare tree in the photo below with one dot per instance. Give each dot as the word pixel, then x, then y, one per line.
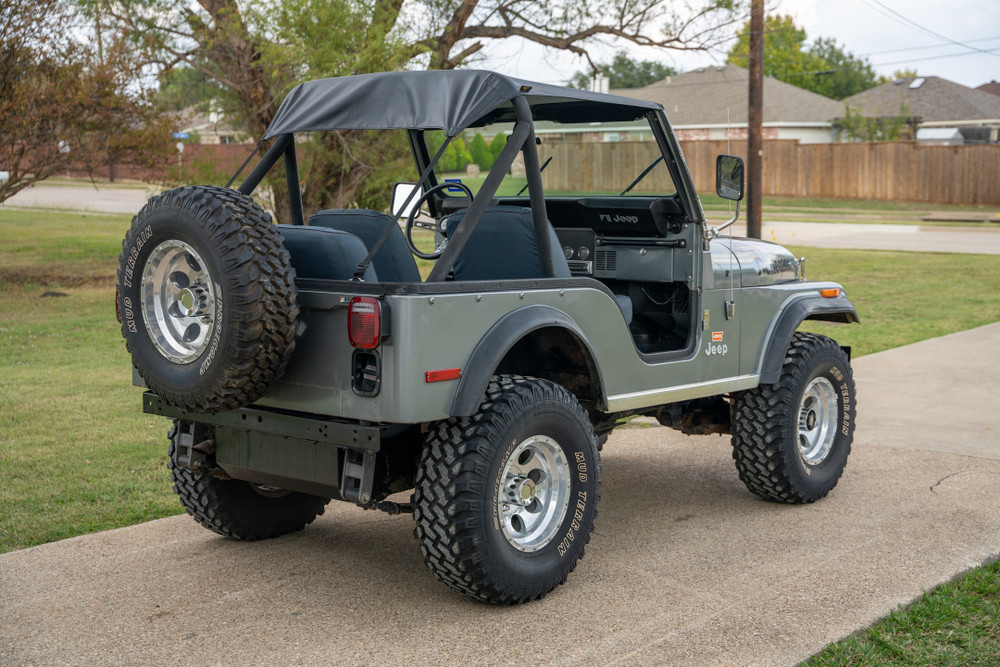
pixel 258 52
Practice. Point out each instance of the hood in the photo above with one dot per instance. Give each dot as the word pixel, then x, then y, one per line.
pixel 760 262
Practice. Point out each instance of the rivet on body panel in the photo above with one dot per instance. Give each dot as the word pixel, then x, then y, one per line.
pixel 431 301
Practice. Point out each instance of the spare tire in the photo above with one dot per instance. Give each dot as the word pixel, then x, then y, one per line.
pixel 206 298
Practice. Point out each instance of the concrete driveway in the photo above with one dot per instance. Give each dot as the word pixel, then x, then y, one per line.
pixel 685 565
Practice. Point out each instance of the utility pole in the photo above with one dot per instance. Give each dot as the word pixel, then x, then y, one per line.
pixel 755 117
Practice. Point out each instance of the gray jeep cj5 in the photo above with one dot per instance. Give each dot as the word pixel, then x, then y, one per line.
pixel 305 362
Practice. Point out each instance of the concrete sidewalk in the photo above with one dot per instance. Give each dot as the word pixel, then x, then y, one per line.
pixel 685 566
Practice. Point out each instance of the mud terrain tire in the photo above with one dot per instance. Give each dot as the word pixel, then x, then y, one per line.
pixel 505 500
pixel 237 509
pixel 206 297
pixel 791 439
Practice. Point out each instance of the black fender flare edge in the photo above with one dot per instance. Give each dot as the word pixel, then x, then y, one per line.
pixel 497 342
pixel 837 309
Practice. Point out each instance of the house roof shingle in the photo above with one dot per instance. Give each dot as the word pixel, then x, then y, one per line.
pixel 934 100
pixel 719 95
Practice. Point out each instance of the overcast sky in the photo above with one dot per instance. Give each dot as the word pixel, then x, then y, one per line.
pixel 870 28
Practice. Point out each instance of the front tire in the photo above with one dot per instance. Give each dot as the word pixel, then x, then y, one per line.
pixel 237 509
pixel 791 439
pixel 505 500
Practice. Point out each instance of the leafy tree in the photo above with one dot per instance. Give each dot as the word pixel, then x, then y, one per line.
pixel 848 74
pixel 907 73
pixel 458 155
pixel 624 72
pixel 64 105
pixel 823 67
pixel 480 152
pixel 857 127
pixel 497 144
pixel 258 51
pixel 184 86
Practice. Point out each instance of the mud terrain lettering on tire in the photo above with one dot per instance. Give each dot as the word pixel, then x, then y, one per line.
pixel 845 396
pixel 129 314
pixel 218 334
pixel 574 526
pixel 133 253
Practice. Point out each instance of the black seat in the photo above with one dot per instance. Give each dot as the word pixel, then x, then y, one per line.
pixel 326 254
pixel 393 262
pixel 503 247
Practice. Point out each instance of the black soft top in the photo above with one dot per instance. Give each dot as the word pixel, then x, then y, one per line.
pixel 449 100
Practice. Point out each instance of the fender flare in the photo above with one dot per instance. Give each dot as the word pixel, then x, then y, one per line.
pixel 497 342
pixel 838 309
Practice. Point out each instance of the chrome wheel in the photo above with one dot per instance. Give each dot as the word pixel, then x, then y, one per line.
pixel 179 301
pixel 534 493
pixel 817 421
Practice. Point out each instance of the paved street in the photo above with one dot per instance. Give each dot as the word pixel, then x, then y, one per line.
pixel 83 197
pixel 685 567
pixel 873 236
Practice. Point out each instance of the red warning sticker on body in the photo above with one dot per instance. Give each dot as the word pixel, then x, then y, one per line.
pixel 716 336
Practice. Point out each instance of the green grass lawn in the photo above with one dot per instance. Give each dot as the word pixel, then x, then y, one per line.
pixel 77 454
pixel 956 624
pixel 905 297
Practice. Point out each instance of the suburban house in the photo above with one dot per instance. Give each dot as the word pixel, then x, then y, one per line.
pixel 206 127
pixel 993 87
pixel 711 103
pixel 935 104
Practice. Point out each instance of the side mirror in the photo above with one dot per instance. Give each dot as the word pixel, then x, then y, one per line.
pixel 400 193
pixel 729 177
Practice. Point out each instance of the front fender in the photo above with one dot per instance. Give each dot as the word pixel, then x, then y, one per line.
pixel 498 341
pixel 837 309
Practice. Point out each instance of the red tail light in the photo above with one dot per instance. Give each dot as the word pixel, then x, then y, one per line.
pixel 364 322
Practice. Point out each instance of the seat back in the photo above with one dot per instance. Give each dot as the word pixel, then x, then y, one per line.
pixel 326 254
pixel 393 262
pixel 503 247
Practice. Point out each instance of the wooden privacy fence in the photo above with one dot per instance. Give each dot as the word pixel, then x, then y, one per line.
pixel 211 164
pixel 897 170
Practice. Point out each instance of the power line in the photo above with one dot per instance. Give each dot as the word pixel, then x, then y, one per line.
pixel 992 52
pixel 899 18
pixel 928 46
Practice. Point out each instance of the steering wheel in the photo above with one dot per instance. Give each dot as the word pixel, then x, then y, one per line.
pixel 411 220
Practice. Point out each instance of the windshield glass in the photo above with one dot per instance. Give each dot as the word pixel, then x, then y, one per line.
pixel 585 159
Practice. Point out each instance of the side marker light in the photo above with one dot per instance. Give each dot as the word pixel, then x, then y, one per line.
pixel 442 375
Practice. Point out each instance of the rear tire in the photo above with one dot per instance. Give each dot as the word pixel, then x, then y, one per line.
pixel 237 509
pixel 791 439
pixel 505 500
pixel 207 300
